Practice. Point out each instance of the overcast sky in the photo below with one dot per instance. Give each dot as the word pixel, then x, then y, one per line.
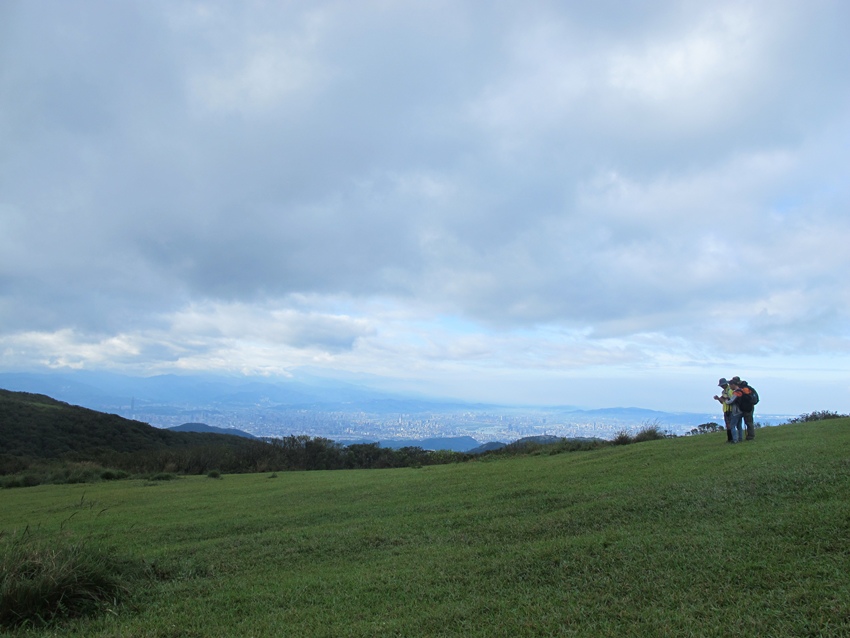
pixel 597 203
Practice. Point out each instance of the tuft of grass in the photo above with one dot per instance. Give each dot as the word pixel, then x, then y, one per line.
pixel 42 581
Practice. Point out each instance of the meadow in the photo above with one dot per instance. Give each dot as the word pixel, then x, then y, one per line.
pixel 674 537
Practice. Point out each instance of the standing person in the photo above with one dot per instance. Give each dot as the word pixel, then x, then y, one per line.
pixel 747 404
pixel 734 402
pixel 726 394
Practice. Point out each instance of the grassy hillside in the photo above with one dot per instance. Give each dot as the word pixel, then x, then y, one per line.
pixel 676 537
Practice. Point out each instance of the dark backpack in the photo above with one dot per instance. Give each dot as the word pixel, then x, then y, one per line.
pixel 745 401
pixel 754 396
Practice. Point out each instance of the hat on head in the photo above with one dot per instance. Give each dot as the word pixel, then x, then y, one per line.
pixel 722 382
pixel 736 380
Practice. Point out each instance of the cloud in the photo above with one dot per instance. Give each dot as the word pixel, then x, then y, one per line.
pixel 581 187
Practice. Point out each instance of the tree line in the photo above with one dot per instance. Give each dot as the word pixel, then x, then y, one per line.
pixel 291 453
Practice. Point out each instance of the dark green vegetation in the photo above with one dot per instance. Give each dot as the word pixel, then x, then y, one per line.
pixel 46 441
pixel 672 537
pixel 819 415
pixel 706 428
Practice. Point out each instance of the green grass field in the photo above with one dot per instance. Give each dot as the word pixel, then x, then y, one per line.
pixel 676 537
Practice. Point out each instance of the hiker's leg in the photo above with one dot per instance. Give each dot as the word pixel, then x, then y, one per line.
pixel 751 426
pixel 737 431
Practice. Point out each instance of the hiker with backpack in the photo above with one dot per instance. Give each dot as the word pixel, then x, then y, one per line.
pixel 747 404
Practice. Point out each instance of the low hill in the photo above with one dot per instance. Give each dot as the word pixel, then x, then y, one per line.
pixel 43 440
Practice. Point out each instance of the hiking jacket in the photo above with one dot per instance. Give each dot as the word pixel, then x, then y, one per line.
pixel 727 395
pixel 732 401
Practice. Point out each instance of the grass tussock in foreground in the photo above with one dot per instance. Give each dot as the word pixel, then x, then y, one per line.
pixel 671 537
pixel 45 579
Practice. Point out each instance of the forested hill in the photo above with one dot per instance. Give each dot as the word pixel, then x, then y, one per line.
pixel 45 440
pixel 36 426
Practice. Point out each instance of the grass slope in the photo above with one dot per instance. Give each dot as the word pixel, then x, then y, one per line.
pixel 677 537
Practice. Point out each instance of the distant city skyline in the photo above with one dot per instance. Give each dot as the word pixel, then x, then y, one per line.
pixel 598 204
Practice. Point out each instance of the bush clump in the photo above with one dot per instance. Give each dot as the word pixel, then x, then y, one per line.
pixel 162 476
pixel 649 433
pixel 114 475
pixel 622 438
pixel 821 415
pixel 62 473
pixel 705 428
pixel 646 433
pixel 21 480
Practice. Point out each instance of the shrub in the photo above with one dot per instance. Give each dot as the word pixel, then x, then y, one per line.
pixel 113 475
pixel 214 474
pixel 646 433
pixel 41 581
pixel 822 415
pixel 622 438
pixel 163 476
pixel 62 473
pixel 704 428
pixel 649 433
pixel 22 480
pixel 77 474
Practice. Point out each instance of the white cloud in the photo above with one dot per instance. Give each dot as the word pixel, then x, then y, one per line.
pixel 694 70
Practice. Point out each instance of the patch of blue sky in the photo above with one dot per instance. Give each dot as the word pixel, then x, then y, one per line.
pixel 787 204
